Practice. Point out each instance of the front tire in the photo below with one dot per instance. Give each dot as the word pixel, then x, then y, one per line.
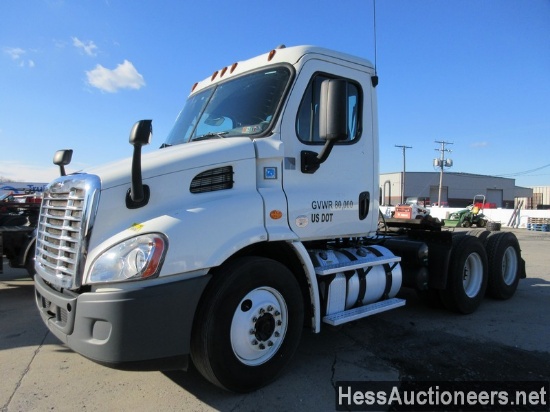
pixel 248 324
pixel 467 277
pixel 29 263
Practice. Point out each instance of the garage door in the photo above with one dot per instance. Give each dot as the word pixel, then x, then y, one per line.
pixel 494 196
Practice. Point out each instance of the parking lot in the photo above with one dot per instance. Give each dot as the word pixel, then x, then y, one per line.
pixel 507 340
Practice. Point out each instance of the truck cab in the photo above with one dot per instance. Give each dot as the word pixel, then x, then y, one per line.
pixel 271 105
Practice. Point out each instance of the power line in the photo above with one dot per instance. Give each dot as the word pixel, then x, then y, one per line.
pixel 524 172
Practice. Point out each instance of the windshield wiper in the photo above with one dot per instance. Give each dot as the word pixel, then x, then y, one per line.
pixel 211 135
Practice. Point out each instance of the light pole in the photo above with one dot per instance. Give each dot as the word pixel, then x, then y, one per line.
pixel 403 148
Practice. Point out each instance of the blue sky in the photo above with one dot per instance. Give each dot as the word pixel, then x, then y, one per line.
pixel 78 74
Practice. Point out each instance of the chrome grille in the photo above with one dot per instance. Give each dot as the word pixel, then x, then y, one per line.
pixel 66 217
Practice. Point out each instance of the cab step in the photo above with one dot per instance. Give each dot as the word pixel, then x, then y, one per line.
pixel 363 311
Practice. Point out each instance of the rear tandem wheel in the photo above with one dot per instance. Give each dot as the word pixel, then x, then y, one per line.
pixel 504 264
pixel 467 276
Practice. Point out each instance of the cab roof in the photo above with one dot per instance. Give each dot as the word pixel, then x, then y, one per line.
pixel 281 54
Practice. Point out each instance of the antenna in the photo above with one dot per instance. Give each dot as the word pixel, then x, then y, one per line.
pixel 374 29
pixel 374 79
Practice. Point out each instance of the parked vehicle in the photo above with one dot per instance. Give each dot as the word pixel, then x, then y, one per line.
pixel 411 209
pixel 18 219
pixel 472 215
pixel 258 217
pixel 419 201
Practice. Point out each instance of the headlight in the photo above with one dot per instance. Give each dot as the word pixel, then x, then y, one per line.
pixel 136 258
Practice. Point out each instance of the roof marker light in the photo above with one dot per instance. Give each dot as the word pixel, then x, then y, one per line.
pixel 214 75
pixel 271 55
pixel 233 67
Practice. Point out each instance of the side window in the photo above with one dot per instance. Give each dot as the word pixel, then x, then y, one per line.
pixel 307 122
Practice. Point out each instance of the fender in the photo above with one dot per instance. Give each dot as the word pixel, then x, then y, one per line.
pixel 309 272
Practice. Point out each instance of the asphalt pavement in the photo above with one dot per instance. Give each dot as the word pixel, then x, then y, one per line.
pixel 502 340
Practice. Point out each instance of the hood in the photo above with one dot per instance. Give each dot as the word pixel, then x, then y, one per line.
pixel 176 159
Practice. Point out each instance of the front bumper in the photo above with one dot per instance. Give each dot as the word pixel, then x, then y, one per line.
pixel 140 328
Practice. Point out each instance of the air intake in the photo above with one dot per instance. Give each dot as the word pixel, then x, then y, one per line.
pixel 212 180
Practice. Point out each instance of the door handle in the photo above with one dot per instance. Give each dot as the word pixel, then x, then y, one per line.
pixel 364 205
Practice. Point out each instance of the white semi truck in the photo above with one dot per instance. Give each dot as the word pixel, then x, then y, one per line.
pixel 258 217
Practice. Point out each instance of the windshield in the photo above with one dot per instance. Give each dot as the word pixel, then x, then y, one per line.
pixel 245 105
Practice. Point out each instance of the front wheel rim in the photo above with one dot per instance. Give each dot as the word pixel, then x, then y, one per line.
pixel 259 326
pixel 472 275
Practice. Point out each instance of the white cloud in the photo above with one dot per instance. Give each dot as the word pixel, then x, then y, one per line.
pixel 480 144
pixel 16 54
pixel 24 172
pixel 124 76
pixel 89 47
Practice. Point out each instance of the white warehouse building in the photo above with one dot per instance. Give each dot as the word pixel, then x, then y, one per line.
pixel 457 189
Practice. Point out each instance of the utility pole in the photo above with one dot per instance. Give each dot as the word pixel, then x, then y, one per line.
pixel 403 148
pixel 442 163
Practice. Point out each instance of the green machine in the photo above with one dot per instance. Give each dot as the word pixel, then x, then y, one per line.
pixel 472 215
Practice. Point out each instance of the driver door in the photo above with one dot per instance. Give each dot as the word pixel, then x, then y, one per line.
pixel 337 199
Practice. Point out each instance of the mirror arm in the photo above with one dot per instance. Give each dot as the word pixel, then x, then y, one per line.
pixel 138 194
pixel 136 191
pixel 310 161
